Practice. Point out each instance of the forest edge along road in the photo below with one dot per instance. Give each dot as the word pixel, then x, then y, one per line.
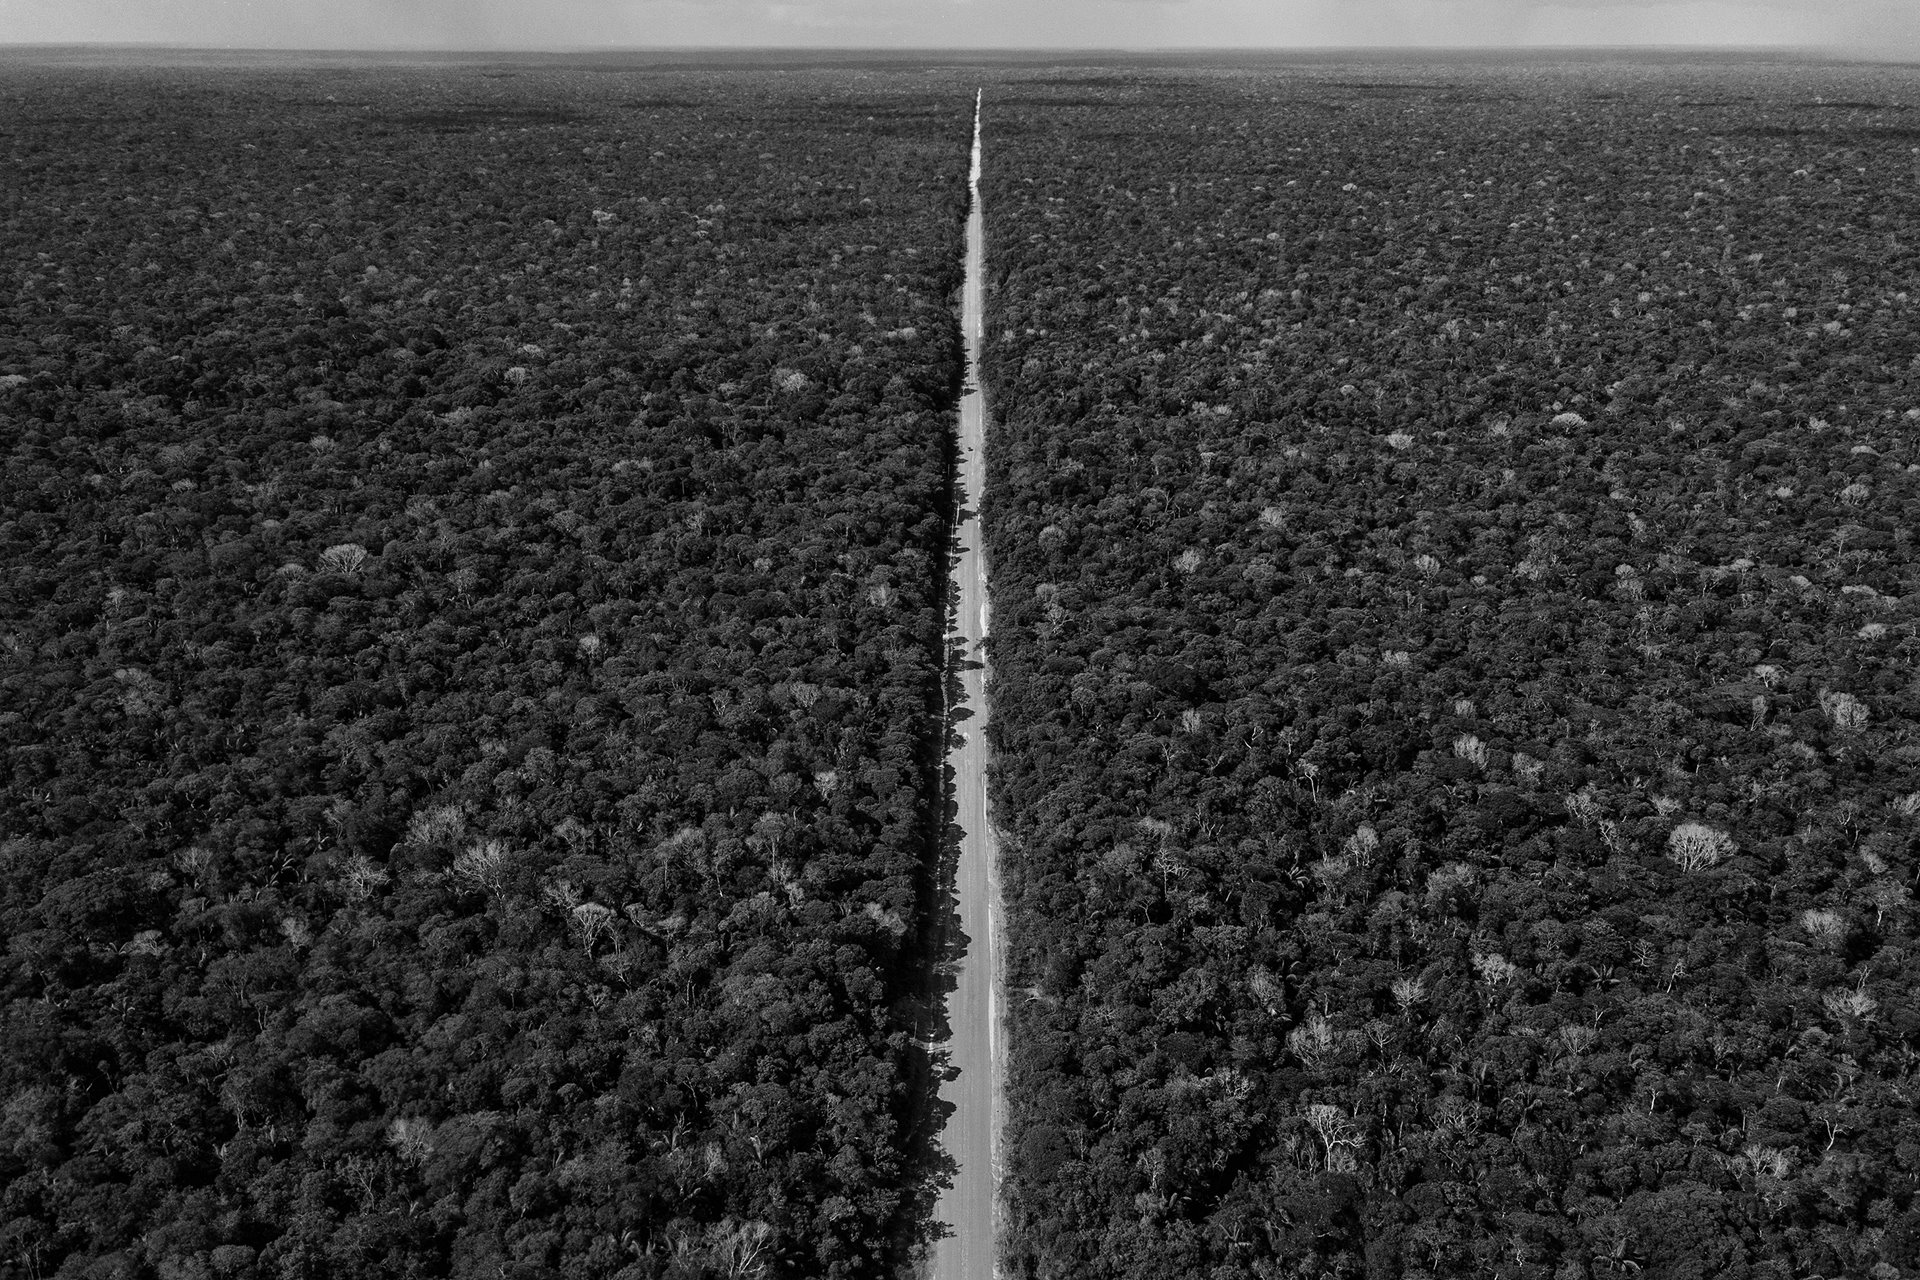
pixel 971 1135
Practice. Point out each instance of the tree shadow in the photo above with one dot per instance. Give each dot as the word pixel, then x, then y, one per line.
pixel 932 962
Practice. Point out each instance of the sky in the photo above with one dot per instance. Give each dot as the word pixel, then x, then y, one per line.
pixel 1879 28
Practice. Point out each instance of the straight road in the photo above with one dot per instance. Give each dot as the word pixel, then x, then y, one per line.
pixel 972 1131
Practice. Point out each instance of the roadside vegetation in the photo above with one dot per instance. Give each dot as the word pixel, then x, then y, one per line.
pixel 472 589
pixel 1453 594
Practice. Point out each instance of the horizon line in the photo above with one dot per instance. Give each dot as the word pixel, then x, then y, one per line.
pixel 12 46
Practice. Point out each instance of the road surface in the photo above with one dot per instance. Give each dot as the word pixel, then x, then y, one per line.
pixel 973 1007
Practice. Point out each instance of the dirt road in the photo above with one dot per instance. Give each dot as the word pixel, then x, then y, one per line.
pixel 973 1008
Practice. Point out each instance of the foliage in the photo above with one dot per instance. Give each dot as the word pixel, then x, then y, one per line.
pixel 472 578
pixel 1453 645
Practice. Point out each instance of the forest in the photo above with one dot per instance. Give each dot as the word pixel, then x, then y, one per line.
pixel 1454 668
pixel 473 612
pixel 472 592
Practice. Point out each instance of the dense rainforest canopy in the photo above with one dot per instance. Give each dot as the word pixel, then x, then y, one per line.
pixel 1453 581
pixel 472 579
pixel 473 550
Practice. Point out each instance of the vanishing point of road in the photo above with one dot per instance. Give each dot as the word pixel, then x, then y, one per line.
pixel 967 1208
